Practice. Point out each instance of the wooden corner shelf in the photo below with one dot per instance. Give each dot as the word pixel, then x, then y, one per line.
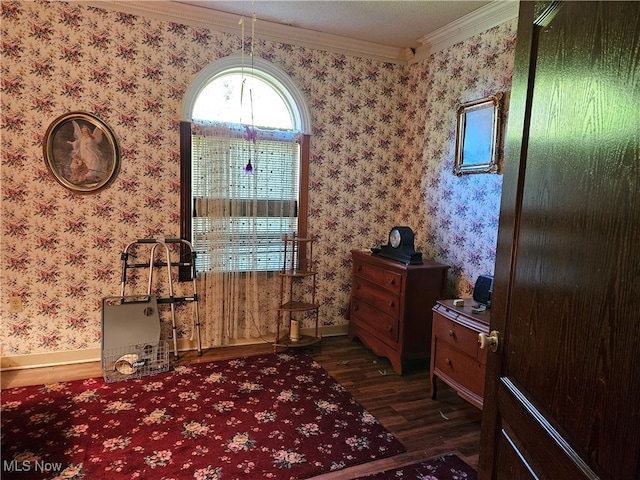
pixel 295 306
pixel 297 295
pixel 305 341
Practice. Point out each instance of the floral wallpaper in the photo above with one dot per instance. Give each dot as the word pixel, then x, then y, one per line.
pixel 461 213
pixel 381 155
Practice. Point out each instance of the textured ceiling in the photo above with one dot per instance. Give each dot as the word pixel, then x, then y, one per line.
pixel 391 23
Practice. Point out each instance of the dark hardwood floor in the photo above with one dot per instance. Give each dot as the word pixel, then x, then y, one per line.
pixel 403 404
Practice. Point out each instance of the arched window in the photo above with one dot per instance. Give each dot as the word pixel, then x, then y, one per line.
pixel 245 155
pixel 256 68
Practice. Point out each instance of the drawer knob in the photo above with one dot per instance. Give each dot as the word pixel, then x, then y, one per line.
pixel 391 281
pixel 452 333
pixel 391 303
pixel 448 361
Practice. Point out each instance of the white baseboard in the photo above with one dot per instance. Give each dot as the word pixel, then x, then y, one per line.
pixel 38 360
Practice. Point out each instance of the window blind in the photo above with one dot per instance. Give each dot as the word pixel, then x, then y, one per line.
pixel 239 216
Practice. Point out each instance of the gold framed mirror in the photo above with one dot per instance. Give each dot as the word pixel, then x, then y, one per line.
pixel 479 136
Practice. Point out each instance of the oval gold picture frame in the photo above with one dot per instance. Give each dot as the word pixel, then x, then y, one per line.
pixel 81 152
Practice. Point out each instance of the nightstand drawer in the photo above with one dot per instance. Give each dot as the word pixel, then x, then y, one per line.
pixel 463 338
pixel 457 358
pixel 385 327
pixel 380 276
pixel 462 369
pixel 383 300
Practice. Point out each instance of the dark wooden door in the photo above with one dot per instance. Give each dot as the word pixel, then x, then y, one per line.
pixel 562 398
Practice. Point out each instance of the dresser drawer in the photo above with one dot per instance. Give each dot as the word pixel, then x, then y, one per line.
pixel 384 300
pixel 380 276
pixel 367 317
pixel 460 368
pixel 461 337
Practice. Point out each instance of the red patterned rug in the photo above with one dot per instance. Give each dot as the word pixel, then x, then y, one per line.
pixel 446 467
pixel 272 416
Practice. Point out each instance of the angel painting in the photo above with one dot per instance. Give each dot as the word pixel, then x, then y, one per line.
pixel 81 152
pixel 87 163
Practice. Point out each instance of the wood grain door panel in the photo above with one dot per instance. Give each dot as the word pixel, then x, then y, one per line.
pixel 559 399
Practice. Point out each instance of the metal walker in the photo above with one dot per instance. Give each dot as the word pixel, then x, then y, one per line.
pixel 171 299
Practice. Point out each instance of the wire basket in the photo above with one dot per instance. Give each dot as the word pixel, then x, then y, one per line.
pixel 134 361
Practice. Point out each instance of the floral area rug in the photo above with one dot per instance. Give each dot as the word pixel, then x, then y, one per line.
pixel 447 467
pixel 272 416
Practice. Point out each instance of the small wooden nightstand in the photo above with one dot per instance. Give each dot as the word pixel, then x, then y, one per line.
pixel 456 357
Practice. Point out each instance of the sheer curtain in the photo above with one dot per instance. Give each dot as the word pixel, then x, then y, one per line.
pixel 245 184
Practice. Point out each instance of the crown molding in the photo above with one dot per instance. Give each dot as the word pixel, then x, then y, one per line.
pixel 229 23
pixel 476 22
pixel 481 20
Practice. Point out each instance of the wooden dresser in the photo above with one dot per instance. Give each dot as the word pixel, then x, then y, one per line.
pixel 391 306
pixel 456 358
